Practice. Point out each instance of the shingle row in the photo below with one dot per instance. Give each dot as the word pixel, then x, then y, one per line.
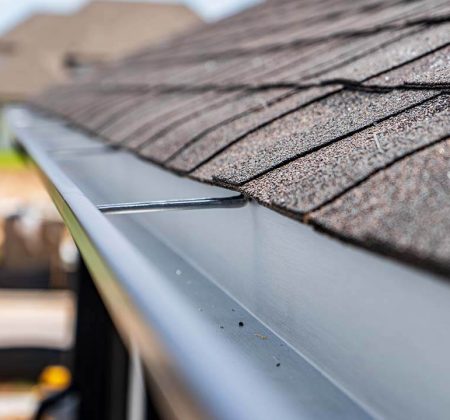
pixel 402 211
pixel 324 131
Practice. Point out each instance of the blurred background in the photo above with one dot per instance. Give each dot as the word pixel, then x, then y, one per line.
pixel 45 42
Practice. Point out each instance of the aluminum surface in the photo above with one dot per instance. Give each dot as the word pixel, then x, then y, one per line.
pixel 187 330
pixel 377 329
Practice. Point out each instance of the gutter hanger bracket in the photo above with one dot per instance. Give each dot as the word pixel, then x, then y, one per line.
pixel 166 205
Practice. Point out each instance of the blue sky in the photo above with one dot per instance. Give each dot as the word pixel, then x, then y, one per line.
pixel 12 11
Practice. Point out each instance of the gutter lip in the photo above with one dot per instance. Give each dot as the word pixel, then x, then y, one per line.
pixel 192 361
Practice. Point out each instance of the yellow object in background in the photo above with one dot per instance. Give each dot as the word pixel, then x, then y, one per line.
pixel 55 378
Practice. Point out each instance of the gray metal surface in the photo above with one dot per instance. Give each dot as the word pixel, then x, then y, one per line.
pixel 376 329
pixel 201 346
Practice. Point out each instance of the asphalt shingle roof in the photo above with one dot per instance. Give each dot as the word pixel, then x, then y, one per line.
pixel 331 112
pixel 403 210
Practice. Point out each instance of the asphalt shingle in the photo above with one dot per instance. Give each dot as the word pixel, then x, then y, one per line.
pixel 331 112
pixel 321 123
pixel 166 145
pixel 387 56
pixel 402 211
pixel 308 182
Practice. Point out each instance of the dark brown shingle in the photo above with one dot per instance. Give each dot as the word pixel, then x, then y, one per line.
pixel 325 121
pixel 402 210
pixel 308 182
pixel 318 109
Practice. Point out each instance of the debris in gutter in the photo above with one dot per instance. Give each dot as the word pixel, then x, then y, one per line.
pixel 241 324
pixel 262 337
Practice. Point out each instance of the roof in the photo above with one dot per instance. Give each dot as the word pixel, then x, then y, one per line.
pixel 22 75
pixel 335 113
pixel 38 32
pixel 112 29
pixel 101 31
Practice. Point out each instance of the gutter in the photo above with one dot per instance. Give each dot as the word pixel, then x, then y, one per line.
pixel 356 335
pixel 181 368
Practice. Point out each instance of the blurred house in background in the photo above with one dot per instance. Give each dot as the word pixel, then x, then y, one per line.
pixel 49 48
pixel 44 49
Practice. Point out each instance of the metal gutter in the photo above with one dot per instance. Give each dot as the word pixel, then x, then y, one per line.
pixel 357 335
pixel 150 315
